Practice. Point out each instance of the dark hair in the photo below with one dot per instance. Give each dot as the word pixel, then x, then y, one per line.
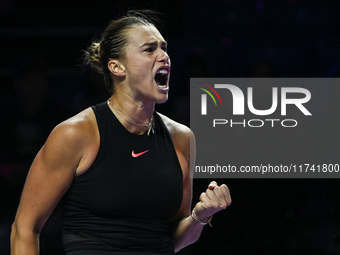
pixel 113 40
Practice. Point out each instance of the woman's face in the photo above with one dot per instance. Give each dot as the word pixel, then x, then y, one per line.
pixel 147 65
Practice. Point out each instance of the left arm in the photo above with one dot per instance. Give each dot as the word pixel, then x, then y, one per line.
pixel 185 230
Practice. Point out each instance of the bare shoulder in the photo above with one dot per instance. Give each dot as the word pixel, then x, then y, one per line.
pixel 181 135
pixel 76 141
pixel 77 128
pixel 82 121
pixel 176 129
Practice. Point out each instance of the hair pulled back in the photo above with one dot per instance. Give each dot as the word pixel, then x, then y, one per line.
pixel 112 42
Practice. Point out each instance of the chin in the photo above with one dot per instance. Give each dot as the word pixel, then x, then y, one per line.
pixel 162 100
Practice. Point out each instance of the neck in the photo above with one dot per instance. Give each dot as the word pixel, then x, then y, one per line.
pixel 135 116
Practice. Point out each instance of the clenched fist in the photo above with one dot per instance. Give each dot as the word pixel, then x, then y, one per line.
pixel 214 199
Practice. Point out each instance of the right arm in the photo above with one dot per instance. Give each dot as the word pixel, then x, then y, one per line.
pixel 61 158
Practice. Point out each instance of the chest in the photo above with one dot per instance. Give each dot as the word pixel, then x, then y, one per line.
pixel 132 176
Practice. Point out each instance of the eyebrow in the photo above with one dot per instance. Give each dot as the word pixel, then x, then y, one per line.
pixel 163 43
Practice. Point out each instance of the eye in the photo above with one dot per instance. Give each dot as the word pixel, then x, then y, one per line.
pixel 165 48
pixel 150 49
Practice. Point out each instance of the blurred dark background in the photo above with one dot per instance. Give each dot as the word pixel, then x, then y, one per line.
pixel 43 82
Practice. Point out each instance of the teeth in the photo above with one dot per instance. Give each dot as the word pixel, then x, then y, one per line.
pixel 163 71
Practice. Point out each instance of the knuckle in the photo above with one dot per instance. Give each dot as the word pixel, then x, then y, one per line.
pixel 223 206
pixel 225 187
pixel 215 205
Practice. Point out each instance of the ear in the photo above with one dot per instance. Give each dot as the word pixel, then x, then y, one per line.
pixel 116 67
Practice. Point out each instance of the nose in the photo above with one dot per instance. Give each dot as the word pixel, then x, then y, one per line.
pixel 164 57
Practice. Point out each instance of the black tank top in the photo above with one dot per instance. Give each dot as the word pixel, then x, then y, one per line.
pixel 124 201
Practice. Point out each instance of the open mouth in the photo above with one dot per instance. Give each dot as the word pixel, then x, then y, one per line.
pixel 162 76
